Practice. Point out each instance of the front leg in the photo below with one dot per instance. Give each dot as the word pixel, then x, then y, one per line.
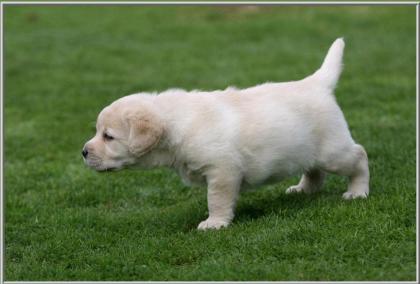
pixel 222 192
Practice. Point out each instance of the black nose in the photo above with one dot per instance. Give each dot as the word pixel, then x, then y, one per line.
pixel 84 153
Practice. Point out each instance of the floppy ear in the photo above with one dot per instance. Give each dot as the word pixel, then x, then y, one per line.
pixel 145 133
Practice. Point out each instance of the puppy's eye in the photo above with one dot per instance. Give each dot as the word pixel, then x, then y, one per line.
pixel 108 137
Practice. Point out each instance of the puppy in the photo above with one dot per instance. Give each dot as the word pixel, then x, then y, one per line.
pixel 230 139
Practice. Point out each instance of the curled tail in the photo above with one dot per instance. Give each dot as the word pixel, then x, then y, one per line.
pixel 330 70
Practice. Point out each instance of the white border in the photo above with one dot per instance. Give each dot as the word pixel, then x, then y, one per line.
pixel 417 141
pixel 297 3
pixel 2 244
pixel 332 3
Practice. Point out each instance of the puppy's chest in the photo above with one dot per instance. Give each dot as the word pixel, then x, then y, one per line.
pixel 191 175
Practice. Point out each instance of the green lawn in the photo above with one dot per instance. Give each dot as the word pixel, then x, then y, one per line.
pixel 66 222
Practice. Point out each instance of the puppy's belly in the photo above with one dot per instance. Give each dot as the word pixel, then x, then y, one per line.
pixel 253 180
pixel 272 171
pixel 252 184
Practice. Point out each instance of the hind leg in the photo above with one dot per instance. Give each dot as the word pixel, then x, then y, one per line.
pixel 310 182
pixel 354 164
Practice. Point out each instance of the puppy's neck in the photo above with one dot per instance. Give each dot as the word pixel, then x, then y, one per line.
pixel 158 157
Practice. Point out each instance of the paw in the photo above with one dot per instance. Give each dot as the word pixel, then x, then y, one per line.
pixel 353 195
pixel 294 189
pixel 212 223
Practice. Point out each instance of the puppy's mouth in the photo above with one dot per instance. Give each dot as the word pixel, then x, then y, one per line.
pixel 97 164
pixel 101 168
pixel 110 169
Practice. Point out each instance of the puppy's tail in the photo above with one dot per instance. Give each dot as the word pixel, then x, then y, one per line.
pixel 330 70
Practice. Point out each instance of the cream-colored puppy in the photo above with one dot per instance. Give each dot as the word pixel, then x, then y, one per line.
pixel 233 138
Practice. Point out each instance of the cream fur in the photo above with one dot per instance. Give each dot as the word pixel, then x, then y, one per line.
pixel 233 138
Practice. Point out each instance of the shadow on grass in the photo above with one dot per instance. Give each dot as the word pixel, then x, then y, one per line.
pixel 254 205
pixel 285 205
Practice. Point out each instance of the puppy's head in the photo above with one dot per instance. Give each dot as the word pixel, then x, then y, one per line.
pixel 125 131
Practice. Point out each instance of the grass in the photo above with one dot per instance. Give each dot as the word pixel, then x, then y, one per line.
pixel 63 64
